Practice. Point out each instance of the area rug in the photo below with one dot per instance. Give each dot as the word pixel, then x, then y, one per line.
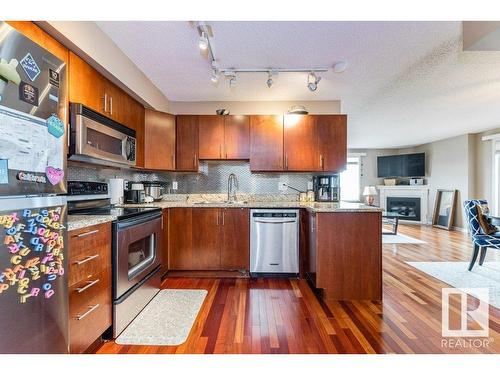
pixel 400 239
pixel 166 320
pixel 456 275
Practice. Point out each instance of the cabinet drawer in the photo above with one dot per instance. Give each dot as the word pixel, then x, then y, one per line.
pixel 90 252
pixel 87 290
pixel 90 321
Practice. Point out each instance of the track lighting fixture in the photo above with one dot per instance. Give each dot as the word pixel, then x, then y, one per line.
pixel 312 81
pixel 203 41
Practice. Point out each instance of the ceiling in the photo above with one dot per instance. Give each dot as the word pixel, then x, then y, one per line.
pixel 407 83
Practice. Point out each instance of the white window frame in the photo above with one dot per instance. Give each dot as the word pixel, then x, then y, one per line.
pixel 495 172
pixel 359 156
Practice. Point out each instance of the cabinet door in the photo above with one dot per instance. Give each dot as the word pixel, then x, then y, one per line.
pixel 86 85
pixel 211 137
pixel 180 246
pixel 332 137
pixel 206 234
pixel 159 140
pixel 187 143
pixel 236 137
pixel 266 143
pixel 235 239
pixel 164 243
pixel 301 143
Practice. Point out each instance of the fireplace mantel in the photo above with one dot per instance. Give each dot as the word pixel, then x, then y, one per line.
pixel 410 191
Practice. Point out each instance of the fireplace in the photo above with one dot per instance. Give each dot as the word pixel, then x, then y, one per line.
pixel 408 208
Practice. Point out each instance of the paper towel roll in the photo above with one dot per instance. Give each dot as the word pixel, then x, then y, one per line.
pixel 116 190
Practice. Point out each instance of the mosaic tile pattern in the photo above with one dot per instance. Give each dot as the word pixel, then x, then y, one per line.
pixel 212 178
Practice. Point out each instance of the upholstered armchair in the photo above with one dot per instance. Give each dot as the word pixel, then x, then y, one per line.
pixel 480 240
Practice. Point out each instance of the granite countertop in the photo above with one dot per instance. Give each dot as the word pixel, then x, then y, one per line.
pixel 82 221
pixel 218 200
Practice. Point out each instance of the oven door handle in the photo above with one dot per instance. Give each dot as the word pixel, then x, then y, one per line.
pixel 144 218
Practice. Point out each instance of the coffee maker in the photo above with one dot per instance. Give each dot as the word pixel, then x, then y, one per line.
pixel 134 192
pixel 326 188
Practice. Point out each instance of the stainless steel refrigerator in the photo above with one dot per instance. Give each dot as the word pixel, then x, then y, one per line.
pixel 33 221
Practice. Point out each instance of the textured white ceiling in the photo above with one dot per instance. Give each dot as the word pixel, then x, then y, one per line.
pixel 407 82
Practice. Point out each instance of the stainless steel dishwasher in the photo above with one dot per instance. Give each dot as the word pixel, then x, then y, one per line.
pixel 274 241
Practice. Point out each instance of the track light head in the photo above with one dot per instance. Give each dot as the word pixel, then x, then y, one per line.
pixel 312 81
pixel 269 80
pixel 203 41
pixel 215 76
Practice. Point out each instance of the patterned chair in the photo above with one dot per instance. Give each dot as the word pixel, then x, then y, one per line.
pixel 480 240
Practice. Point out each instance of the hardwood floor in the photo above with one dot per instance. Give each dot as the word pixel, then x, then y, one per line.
pixel 284 316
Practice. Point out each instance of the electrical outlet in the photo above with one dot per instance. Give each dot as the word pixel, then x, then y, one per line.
pixel 282 186
pixel 309 185
pixel 175 185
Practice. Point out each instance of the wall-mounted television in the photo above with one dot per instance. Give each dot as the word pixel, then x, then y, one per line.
pixel 406 165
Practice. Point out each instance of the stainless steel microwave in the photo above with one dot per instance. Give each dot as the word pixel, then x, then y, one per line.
pixel 98 139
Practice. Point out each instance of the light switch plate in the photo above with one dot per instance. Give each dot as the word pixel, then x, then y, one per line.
pixel 309 185
pixel 175 185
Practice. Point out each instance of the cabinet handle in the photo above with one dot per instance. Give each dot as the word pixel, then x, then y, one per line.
pixel 223 217
pixel 286 161
pixel 220 151
pixel 105 99
pixel 173 161
pixel 81 316
pixel 195 156
pixel 84 288
pixel 110 105
pixel 88 233
pixel 321 161
pixel 85 260
pixel 217 221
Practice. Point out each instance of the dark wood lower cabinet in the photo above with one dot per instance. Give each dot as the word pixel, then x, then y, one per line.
pixel 202 239
pixel 235 249
pixel 89 276
pixel 345 255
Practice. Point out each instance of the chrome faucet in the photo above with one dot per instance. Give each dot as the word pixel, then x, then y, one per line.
pixel 232 187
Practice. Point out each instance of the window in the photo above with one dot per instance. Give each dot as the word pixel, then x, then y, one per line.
pixel 350 180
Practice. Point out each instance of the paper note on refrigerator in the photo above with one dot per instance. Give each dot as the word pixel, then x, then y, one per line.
pixel 26 142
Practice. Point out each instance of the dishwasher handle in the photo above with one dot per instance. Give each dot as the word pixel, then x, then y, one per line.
pixel 274 221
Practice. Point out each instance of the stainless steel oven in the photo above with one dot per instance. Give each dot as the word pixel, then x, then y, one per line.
pixel 98 139
pixel 136 268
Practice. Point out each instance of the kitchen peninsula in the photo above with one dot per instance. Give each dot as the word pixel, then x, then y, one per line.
pixel 340 243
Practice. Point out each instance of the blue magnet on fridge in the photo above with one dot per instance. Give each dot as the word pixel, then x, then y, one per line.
pixel 55 126
pixel 4 171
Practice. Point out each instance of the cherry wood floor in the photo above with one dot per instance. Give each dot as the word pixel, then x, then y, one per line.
pixel 284 316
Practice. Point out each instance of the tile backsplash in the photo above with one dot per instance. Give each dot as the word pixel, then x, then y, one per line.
pixel 212 178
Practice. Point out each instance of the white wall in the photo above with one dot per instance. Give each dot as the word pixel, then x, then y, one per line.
pixel 253 107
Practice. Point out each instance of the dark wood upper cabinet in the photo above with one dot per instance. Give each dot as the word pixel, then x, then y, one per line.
pixel 187 143
pixel 266 143
pixel 235 239
pixel 224 137
pixel 88 87
pixel 300 143
pixel 236 137
pixel 159 140
pixel 211 137
pixel 332 142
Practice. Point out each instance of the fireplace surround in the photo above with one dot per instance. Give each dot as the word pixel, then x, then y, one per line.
pixel 400 193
